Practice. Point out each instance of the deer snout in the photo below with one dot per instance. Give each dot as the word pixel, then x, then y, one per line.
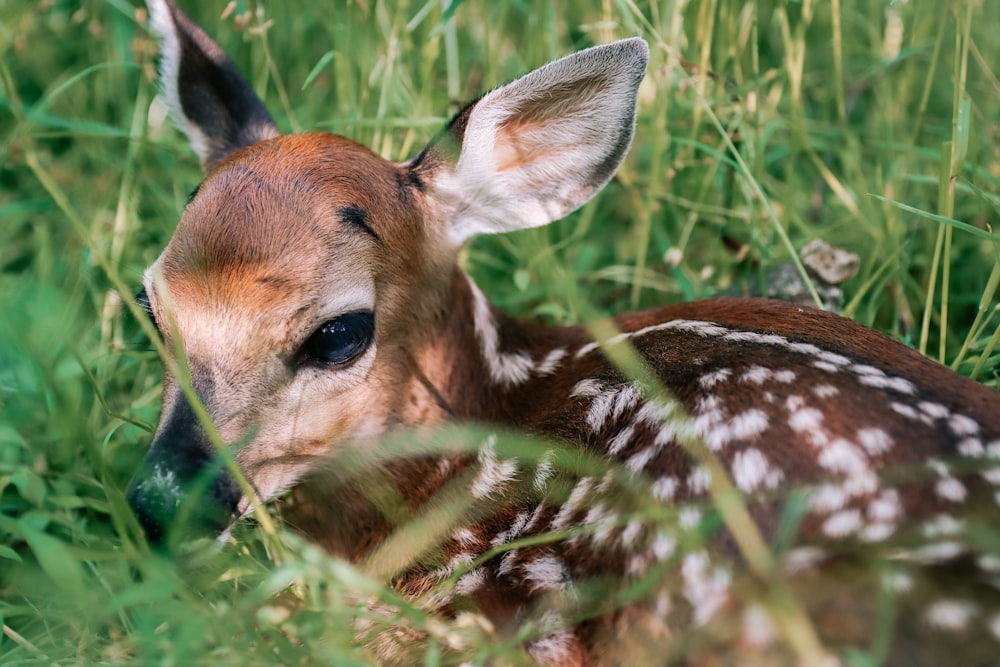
pixel 183 484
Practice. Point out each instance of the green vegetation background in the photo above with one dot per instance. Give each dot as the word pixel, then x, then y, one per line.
pixel 838 109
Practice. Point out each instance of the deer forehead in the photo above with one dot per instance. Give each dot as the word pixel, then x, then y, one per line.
pixel 293 197
pixel 284 235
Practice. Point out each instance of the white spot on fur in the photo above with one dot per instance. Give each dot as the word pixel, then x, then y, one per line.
pixel 586 388
pixel 627 398
pixel 637 564
pixel 663 605
pixel 703 329
pixel 749 424
pixel 825 391
pixel 742 337
pixel 507 562
pixel 641 459
pixel 875 441
pixel 807 349
pixel 971 447
pixel 902 385
pixel 951 489
pixel 664 488
pixel 898 582
pixel 471 581
pixel 785 376
pixel 843 523
pixel 942 525
pixel 689 517
pixel 861 483
pixel 654 413
pixel 664 546
pixel 607 481
pixel 877 532
pixel 505 368
pixel 933 410
pixel 546 573
pixel 756 375
pixel 717 432
pixel 988 563
pixel 699 480
pixel 706 591
pixel 937 552
pixel 555 649
pixel 465 537
pixel 832 358
pixel 842 456
pixel 536 516
pixel 600 408
pixel 630 532
pixel 993 449
pixel 876 381
pixel 621 440
pixel 826 366
pixel 886 507
pixel 994 626
pixel 804 558
pixel 603 521
pixel 543 471
pixel 513 532
pixel 939 467
pixel 962 425
pixel 751 470
pixel 805 419
pixel 828 498
pixel 550 363
pixel 493 473
pixel 758 628
pixel 905 410
pixel 709 380
pixel 569 507
pixel 612 405
pixel 949 614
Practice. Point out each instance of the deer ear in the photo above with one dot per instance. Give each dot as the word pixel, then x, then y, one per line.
pixel 532 151
pixel 208 98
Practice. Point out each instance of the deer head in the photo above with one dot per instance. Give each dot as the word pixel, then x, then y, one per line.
pixel 307 287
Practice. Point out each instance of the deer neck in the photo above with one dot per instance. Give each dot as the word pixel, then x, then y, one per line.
pixel 460 371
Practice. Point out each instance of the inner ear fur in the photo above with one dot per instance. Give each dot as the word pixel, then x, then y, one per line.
pixel 536 149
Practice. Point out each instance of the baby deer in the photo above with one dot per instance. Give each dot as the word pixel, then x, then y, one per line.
pixel 313 289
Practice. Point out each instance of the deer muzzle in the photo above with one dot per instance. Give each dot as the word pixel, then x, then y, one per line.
pixel 183 487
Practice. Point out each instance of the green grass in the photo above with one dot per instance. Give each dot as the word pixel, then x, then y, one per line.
pixel 874 129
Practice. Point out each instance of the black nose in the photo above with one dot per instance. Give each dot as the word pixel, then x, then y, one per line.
pixel 164 501
pixel 183 485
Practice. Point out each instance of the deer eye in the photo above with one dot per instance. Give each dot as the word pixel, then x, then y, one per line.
pixel 340 340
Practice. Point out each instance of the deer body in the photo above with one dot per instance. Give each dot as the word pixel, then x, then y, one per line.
pixel 314 289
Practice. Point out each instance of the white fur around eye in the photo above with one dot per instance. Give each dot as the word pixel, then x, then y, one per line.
pixel 344 299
